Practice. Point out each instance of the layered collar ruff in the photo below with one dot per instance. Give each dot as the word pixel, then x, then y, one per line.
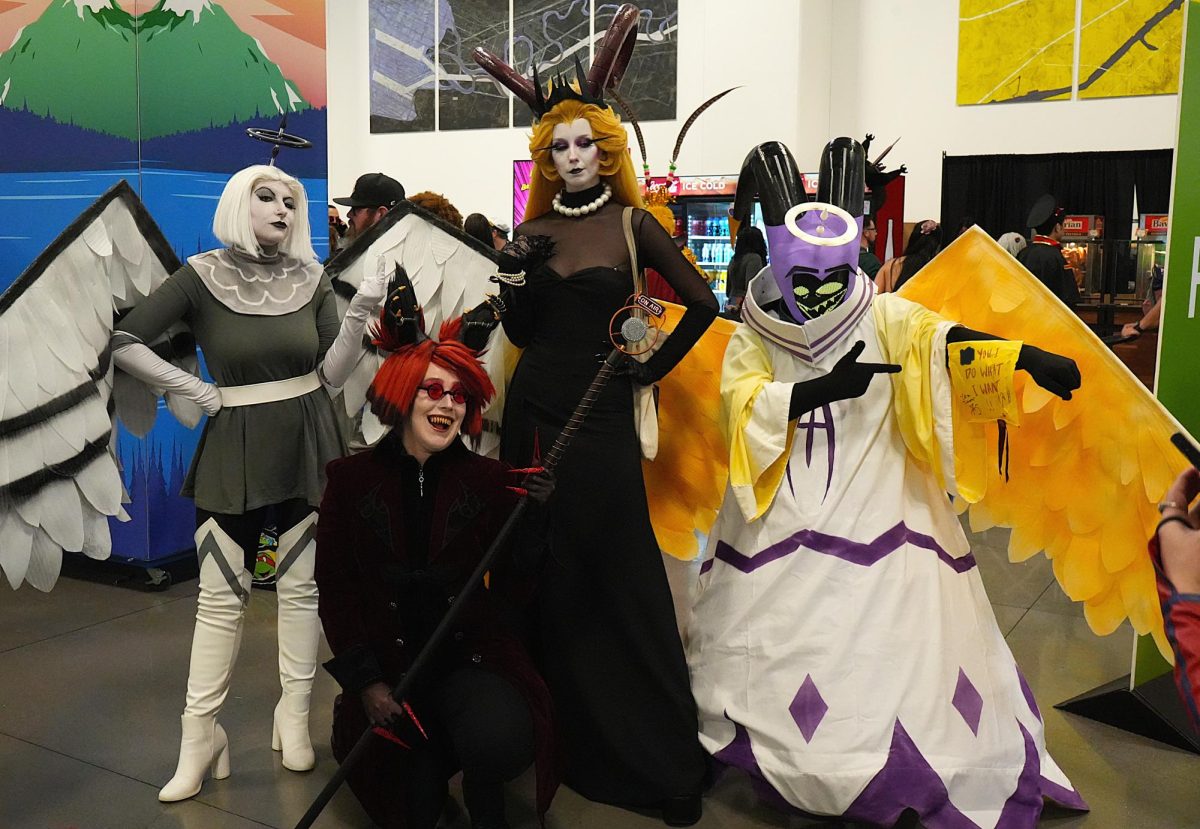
pixel 812 340
pixel 265 286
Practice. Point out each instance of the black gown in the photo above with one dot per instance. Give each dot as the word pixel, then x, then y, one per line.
pixel 606 639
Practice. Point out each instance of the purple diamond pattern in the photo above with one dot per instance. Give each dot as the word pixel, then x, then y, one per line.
pixel 808 708
pixel 968 702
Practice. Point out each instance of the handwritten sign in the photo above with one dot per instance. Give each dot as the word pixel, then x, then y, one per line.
pixel 981 376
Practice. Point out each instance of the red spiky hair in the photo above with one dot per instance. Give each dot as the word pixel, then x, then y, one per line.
pixel 394 388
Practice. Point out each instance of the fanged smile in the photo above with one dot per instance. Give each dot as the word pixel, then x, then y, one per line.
pixel 440 422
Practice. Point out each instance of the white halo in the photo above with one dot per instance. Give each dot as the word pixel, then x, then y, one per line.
pixel 789 221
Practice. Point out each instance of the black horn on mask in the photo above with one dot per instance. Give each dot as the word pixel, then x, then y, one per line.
pixel 770 173
pixel 842 181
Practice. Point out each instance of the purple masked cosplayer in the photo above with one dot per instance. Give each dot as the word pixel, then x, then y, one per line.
pixel 842 648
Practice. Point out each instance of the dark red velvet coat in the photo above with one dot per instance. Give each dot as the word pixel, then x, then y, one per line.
pixel 378 606
pixel 1181 618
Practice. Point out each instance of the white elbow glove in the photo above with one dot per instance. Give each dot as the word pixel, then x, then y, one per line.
pixel 139 361
pixel 344 353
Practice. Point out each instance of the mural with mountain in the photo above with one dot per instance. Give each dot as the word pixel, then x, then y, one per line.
pixel 160 93
pixel 183 66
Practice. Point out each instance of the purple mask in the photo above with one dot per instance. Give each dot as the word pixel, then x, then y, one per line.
pixel 814 257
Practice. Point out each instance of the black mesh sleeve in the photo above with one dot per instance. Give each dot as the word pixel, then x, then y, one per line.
pixel 657 250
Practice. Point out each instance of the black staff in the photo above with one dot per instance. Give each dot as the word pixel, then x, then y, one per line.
pixel 632 330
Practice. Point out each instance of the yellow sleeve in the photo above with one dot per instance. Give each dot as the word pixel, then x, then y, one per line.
pixel 755 414
pixel 914 338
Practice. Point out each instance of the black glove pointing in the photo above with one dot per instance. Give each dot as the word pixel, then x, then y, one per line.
pixel 848 379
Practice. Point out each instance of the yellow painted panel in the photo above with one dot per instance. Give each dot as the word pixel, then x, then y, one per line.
pixel 1129 47
pixel 1015 50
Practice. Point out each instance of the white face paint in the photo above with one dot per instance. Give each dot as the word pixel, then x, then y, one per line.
pixel 432 425
pixel 272 209
pixel 576 155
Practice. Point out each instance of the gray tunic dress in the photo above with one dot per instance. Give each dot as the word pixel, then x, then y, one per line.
pixel 253 456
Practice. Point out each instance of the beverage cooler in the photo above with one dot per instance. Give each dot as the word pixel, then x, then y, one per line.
pixel 1083 250
pixel 701 208
pixel 1151 252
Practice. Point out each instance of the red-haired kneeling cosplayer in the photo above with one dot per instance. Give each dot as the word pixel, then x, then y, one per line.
pixel 402 527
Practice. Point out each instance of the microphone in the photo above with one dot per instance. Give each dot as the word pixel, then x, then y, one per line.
pixel 633 330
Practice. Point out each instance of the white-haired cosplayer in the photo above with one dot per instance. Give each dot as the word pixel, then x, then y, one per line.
pixel 263 313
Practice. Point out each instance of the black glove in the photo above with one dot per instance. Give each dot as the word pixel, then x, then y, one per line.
pixel 640 373
pixel 524 253
pixel 1053 372
pixel 848 379
pixel 479 322
pixel 538 483
pixel 540 486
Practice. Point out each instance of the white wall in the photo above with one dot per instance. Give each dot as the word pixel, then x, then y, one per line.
pixel 722 45
pixel 899 81
pixel 811 70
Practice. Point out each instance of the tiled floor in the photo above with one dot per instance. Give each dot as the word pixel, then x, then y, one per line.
pixel 92 675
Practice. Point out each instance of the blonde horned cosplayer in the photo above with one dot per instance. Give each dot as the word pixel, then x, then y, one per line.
pixel 263 312
pixel 609 647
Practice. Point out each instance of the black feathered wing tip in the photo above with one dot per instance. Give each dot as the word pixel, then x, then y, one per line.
pixel 842 182
pixel 401 322
pixel 770 173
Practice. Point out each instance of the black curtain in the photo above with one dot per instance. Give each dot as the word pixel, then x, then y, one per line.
pixel 996 191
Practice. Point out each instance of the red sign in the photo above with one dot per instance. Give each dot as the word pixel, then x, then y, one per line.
pixel 1155 224
pixel 718 185
pixel 1090 226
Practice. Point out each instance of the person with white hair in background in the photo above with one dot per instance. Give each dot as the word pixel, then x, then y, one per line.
pixel 1013 242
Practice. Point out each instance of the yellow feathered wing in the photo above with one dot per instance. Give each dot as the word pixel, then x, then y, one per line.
pixel 686 481
pixel 1084 474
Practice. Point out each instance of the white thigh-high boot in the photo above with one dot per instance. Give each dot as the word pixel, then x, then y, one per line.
pixel 224 592
pixel 299 635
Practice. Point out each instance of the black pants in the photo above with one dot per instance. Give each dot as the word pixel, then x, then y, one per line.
pixel 476 722
pixel 245 528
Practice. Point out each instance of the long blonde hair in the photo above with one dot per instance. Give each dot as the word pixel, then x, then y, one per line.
pixel 616 168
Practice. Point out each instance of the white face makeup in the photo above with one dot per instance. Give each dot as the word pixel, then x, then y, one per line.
pixel 432 425
pixel 576 155
pixel 272 209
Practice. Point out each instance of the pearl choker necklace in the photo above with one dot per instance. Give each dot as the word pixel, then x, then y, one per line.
pixel 583 209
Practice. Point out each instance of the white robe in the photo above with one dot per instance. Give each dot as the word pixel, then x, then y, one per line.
pixel 842 647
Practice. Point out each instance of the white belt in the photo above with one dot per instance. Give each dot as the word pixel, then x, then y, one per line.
pixel 256 393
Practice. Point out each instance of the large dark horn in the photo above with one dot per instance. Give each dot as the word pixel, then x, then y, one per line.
pixel 843 175
pixel 612 55
pixel 507 76
pixel 770 173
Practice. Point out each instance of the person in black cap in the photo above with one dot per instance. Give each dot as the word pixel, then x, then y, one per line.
pixel 1043 258
pixel 374 195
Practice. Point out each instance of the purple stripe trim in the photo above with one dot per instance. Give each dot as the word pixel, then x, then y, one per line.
pixel 907 781
pixel 809 353
pixel 1027 692
pixel 740 751
pixel 706 566
pixel 1024 805
pixel 786 345
pixel 829 443
pixel 864 554
pixel 839 331
pixel 1068 798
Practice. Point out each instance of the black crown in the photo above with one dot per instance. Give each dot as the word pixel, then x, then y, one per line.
pixel 561 90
